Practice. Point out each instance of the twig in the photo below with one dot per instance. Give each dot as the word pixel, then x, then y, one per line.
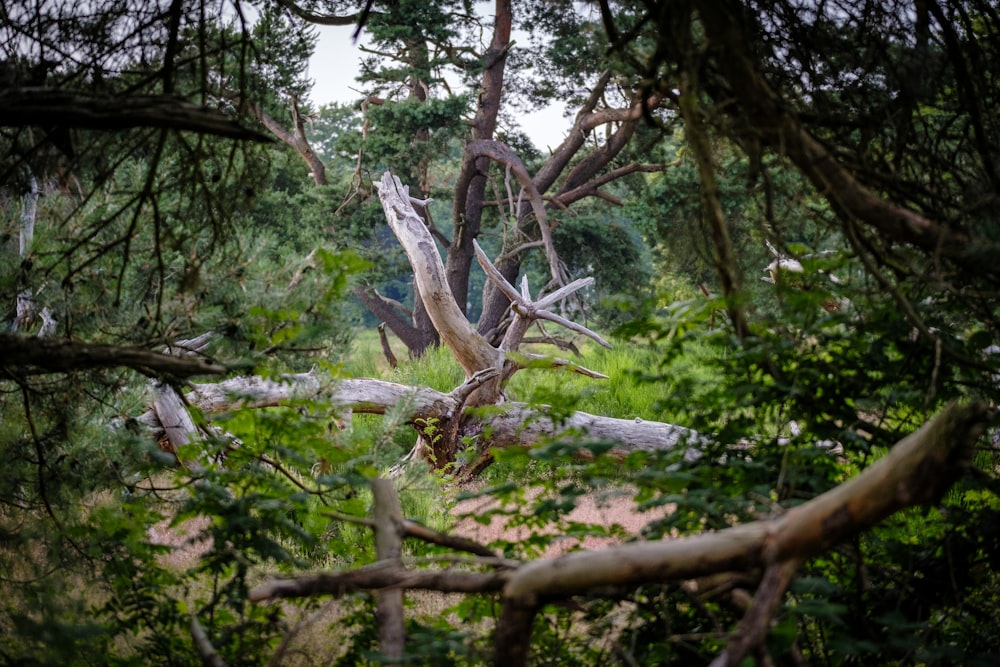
pixel 209 656
pixel 422 532
pixel 753 628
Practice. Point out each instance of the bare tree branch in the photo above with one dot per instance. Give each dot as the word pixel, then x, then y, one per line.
pixel 379 576
pixel 209 656
pixel 33 356
pixel 325 19
pixel 296 138
pixel 421 532
pixel 724 257
pixel 471 350
pixel 502 153
pixel 757 620
pixel 62 108
pixel 917 470
pixel 848 196
pixel 526 311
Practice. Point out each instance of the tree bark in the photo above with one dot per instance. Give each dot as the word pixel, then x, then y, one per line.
pixel 470 189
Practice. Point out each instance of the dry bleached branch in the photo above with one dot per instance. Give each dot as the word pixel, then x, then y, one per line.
pixel 515 424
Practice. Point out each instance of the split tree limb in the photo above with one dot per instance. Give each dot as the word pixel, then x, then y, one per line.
pixel 471 350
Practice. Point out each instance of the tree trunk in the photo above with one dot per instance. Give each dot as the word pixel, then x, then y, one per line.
pixel 470 191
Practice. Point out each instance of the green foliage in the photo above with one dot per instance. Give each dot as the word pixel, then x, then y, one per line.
pixel 611 252
pixel 182 235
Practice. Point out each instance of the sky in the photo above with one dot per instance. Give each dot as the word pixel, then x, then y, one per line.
pixel 337 61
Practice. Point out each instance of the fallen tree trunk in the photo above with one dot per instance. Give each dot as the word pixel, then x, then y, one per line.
pixel 515 424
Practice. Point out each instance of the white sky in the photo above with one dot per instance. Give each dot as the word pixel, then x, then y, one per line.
pixel 336 63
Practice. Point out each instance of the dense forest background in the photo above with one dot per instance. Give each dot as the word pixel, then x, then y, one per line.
pixel 744 312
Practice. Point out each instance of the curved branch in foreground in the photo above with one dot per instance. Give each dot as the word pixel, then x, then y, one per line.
pixel 379 575
pixel 22 355
pixel 918 470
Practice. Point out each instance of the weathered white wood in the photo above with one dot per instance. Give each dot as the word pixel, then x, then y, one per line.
pixel 527 311
pixel 473 352
pixel 361 395
pixel 174 418
pixel 517 424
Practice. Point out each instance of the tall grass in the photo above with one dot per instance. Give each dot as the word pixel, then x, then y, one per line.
pixel 636 386
pixel 638 383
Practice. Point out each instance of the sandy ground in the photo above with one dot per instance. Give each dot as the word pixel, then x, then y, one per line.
pixel 604 510
pixel 189 542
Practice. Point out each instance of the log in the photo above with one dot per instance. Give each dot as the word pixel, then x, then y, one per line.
pixel 516 424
